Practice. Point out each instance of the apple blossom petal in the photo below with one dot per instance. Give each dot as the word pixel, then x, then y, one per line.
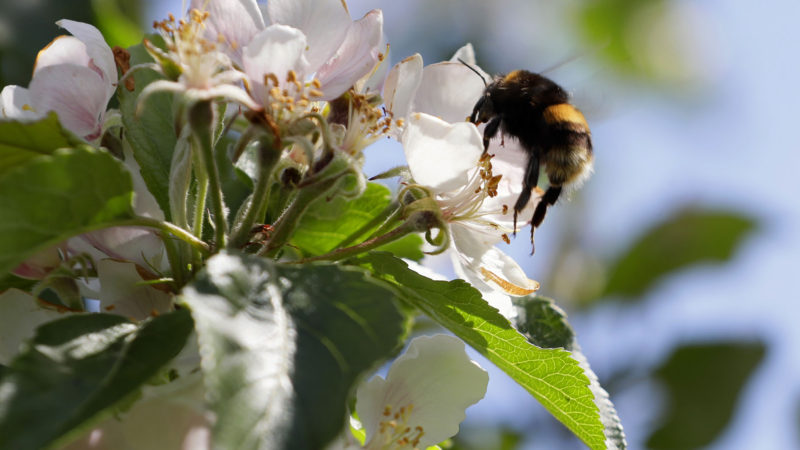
pixel 483 264
pixel 71 91
pixel 510 162
pixel 448 90
pixel 16 103
pixel 62 50
pixel 41 263
pixel 172 414
pixel 275 50
pixel 467 54
pixel 20 315
pixel 324 22
pixel 433 383
pixel 98 50
pixel 401 85
pixel 122 292
pixel 441 155
pixel 355 58
pixel 237 21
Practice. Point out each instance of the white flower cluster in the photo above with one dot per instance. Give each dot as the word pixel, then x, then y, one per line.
pixel 283 61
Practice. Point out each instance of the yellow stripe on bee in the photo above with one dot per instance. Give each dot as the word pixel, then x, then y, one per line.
pixel 512 76
pixel 564 112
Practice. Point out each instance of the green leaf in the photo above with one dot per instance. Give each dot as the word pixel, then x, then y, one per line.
pixel 151 133
pixel 691 236
pixel 21 141
pixel 545 325
pixel 550 375
pixel 79 367
pixel 703 383
pixel 283 346
pixel 329 221
pixel 52 198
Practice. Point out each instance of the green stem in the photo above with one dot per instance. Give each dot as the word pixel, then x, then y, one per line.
pixel 286 224
pixel 201 119
pixel 257 210
pixel 200 205
pixel 166 227
pixel 387 217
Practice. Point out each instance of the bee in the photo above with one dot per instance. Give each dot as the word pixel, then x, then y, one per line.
pixel 554 134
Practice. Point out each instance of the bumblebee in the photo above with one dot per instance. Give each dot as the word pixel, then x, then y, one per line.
pixel 554 134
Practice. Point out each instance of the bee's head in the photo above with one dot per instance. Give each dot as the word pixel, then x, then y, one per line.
pixel 484 107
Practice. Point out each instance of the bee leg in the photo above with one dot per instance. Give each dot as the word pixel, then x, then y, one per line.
pixel 528 184
pixel 549 198
pixel 490 131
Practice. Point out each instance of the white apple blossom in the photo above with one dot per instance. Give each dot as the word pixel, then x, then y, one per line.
pixel 75 76
pixel 295 51
pixel 422 400
pixel 448 160
pixel 445 154
pixel 193 65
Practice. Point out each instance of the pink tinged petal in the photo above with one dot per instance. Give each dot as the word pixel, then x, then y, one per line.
pixel 355 58
pixel 441 155
pixel 434 380
pixel 20 314
pixel 16 103
pixel 324 22
pixel 123 292
pixel 63 50
pixel 98 50
pixel 39 265
pixel 237 21
pixel 448 90
pixel 401 85
pixel 136 245
pixel 172 414
pixel 275 50
pixel 483 264
pixel 72 92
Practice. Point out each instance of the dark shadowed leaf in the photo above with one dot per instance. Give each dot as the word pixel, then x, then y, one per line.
pixel 151 132
pixel 703 383
pixel 21 141
pixel 283 346
pixel 79 367
pixel 691 236
pixel 53 197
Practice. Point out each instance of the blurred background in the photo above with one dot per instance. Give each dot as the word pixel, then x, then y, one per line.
pixel 677 261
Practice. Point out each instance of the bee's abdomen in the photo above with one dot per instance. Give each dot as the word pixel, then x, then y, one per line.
pixel 568 153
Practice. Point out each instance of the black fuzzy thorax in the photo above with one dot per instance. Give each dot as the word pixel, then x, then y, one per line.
pixel 520 102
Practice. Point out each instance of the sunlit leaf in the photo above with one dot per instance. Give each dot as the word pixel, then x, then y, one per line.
pixel 550 375
pixel 77 368
pixel 282 347
pixel 56 196
pixel 691 236
pixel 703 383
pixel 329 221
pixel 545 325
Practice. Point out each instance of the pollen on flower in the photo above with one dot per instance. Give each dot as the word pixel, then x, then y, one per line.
pixel 395 432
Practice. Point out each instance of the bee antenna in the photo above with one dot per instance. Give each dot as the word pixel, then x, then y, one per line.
pixel 474 70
